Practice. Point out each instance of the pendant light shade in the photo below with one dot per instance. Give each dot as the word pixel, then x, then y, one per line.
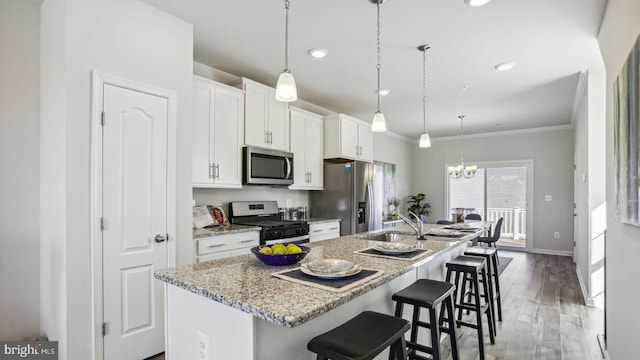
pixel 286 87
pixel 425 140
pixel 379 124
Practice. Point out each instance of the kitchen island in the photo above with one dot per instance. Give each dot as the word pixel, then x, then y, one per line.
pixel 235 309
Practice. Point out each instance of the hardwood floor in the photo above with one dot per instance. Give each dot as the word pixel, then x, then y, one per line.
pixel 544 316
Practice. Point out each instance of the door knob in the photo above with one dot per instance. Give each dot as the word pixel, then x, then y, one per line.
pixel 160 238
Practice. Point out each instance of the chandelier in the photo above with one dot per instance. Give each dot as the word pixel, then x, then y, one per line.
pixel 462 171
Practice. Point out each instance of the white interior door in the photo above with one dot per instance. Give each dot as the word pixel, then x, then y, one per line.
pixel 134 200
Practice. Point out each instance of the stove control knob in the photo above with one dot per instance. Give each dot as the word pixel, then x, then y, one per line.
pixel 276 234
pixel 301 231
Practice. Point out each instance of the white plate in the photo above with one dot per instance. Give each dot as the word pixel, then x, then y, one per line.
pixel 354 270
pixel 329 266
pixel 394 248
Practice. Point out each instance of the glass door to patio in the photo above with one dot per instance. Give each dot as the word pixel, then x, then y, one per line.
pixel 496 191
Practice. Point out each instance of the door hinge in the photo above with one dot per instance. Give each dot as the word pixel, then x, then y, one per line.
pixel 104 329
pixel 101 224
pixel 102 119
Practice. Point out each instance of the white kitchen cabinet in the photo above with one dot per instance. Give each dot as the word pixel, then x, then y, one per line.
pixel 324 231
pixel 266 120
pixel 347 137
pixel 306 146
pixel 217 132
pixel 224 246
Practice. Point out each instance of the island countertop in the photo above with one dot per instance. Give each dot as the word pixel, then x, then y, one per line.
pixel 246 284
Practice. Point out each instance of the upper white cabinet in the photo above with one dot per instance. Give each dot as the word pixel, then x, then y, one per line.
pixel 306 146
pixel 266 120
pixel 217 134
pixel 347 137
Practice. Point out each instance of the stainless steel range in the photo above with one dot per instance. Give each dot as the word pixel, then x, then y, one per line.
pixel 265 214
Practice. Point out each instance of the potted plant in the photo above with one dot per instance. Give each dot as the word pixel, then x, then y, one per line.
pixel 418 205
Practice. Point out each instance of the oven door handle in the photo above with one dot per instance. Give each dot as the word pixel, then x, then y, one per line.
pixel 303 238
pixel 288 168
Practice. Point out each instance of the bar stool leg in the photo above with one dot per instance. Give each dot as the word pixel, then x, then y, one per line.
pixel 496 278
pixel 479 316
pixel 490 318
pixel 435 334
pixel 452 328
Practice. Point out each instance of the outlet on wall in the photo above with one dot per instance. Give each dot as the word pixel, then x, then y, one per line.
pixel 556 235
pixel 203 346
pixel 289 203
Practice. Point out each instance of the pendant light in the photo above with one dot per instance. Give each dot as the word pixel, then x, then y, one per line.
pixel 460 171
pixel 286 88
pixel 425 141
pixel 378 124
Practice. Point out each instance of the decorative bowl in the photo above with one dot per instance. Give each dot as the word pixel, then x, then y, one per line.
pixel 280 259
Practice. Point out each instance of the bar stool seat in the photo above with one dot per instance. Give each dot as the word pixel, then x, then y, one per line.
pixel 472 270
pixel 361 338
pixel 428 294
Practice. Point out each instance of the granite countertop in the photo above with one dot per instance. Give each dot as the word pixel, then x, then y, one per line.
pixel 320 220
pixel 246 284
pixel 223 230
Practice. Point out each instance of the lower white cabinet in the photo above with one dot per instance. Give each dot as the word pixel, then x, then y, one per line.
pixel 224 246
pixel 324 231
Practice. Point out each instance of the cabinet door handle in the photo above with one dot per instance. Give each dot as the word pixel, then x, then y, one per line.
pixel 217 171
pixel 246 241
pixel 333 228
pixel 317 230
pixel 210 171
pixel 215 246
pixel 270 137
pixel 310 178
pixel 266 137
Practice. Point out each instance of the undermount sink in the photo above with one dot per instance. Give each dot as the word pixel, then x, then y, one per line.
pixel 386 236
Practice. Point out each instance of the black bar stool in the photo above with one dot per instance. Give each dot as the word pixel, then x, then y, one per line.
pixel 428 294
pixel 363 337
pixel 473 267
pixel 491 255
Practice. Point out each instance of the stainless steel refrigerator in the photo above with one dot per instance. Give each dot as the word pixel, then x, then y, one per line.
pixel 348 195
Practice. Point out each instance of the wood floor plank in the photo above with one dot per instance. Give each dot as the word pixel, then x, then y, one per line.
pixel 544 315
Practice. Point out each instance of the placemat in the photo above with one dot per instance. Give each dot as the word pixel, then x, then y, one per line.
pixel 418 253
pixel 474 229
pixel 336 285
pixel 453 236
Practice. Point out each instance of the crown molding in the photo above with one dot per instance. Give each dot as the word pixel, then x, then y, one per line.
pixel 506 133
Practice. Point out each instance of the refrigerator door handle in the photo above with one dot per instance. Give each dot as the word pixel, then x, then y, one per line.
pixel 370 206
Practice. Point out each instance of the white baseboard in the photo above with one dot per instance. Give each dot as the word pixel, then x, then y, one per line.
pixel 587 300
pixel 552 252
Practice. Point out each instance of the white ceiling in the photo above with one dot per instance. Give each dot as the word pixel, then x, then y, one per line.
pixel 551 41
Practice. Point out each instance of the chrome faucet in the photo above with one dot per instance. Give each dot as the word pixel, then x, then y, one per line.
pixel 417 226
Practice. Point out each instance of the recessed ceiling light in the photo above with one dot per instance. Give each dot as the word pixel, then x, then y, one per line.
pixel 384 92
pixel 318 53
pixel 464 87
pixel 476 2
pixel 505 66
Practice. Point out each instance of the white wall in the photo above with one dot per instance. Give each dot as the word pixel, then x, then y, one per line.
pixel 589 141
pixel 130 39
pixel 620 29
pixel 20 169
pixel 552 154
pixel 394 149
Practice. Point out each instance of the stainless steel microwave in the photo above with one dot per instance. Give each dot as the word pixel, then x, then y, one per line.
pixel 266 166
